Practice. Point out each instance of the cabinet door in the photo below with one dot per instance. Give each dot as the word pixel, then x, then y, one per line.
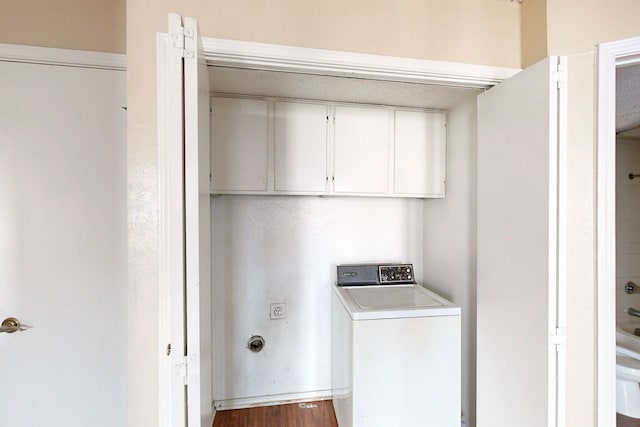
pixel 419 153
pixel 239 144
pixel 300 147
pixel 361 151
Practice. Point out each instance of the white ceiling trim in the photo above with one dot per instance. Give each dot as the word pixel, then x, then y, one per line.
pixel 62 57
pixel 272 57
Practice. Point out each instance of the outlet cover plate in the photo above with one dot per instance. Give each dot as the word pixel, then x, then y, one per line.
pixel 278 311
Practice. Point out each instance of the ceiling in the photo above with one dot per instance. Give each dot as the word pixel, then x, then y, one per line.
pixel 225 80
pixel 628 101
pixel 338 89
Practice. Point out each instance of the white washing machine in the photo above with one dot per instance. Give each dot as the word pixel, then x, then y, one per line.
pixel 396 358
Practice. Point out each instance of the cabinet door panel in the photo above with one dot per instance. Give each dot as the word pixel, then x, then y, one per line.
pixel 420 153
pixel 361 153
pixel 239 145
pixel 300 147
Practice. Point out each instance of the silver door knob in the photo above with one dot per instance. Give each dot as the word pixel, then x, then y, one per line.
pixel 11 325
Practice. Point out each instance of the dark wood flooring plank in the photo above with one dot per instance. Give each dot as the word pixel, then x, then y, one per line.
pixel 622 421
pixel 310 414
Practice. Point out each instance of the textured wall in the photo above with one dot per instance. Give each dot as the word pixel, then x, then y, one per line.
pixel 97 25
pixel 450 239
pixel 286 249
pixel 575 26
pixel 533 37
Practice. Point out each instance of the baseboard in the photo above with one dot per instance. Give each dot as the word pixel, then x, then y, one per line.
pixel 270 400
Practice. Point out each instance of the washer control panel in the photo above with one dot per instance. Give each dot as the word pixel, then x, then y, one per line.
pixel 397 273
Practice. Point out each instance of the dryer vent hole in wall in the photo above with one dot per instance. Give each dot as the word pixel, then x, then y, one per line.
pixel 255 343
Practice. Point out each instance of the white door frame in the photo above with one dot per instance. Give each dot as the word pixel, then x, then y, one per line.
pixel 272 57
pixel 251 55
pixel 609 56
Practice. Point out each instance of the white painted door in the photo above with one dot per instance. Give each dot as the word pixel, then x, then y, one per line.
pixel 185 334
pixel 361 150
pixel 520 309
pixel 63 245
pixel 300 147
pixel 197 230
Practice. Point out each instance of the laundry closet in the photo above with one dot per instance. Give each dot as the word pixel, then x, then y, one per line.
pixel 465 193
pixel 309 172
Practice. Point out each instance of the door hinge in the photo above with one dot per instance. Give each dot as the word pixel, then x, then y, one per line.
pixel 558 337
pixel 177 38
pixel 185 369
pixel 560 76
pixel 177 41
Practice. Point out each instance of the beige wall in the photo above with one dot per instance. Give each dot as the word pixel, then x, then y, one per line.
pixel 481 32
pixel 97 25
pixel 574 28
pixel 533 37
pixel 581 316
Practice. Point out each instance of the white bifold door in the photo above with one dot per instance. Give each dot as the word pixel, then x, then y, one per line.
pixel 183 128
pixel 521 226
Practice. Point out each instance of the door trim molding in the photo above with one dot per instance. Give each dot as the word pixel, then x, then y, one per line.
pixel 62 57
pixel 609 56
pixel 273 57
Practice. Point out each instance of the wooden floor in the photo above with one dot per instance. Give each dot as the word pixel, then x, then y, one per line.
pixel 310 414
pixel 622 421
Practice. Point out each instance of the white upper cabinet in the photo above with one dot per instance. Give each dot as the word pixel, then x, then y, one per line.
pixel 239 145
pixel 263 146
pixel 419 153
pixel 300 147
pixel 361 150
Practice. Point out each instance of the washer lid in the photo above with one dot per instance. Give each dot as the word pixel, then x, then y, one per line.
pixel 393 298
pixel 393 301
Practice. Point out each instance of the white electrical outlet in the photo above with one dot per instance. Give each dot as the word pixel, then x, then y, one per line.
pixel 278 311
